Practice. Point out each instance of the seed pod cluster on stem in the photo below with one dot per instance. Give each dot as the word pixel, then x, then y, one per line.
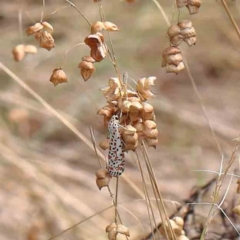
pixel 182 31
pixel 137 118
pixel 43 34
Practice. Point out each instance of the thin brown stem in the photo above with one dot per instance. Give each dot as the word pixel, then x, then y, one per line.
pixel 20 24
pixel 43 8
pixel 231 18
pixel 74 6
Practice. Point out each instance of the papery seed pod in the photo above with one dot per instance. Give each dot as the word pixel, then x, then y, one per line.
pixel 143 87
pixel 30 49
pixel 97 27
pixel 102 178
pixel 106 111
pixel 131 93
pixel 97 45
pixel 150 129
pixel 104 144
pixel 48 27
pixel 46 40
pixel 174 35
pixel 134 99
pixel 135 107
pixel 179 221
pixel 130 138
pixel 187 32
pixel 193 6
pixel 87 69
pixel 111 227
pixel 147 111
pixel 58 76
pixel 152 143
pixel 112 235
pixel 139 127
pixel 123 230
pixel 34 28
pixel 112 92
pixel 124 105
pixel 172 60
pixel 181 3
pixel 236 210
pixel 18 52
pixel 135 116
pixel 109 26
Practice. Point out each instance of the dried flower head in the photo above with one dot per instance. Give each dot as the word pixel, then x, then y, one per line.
pixel 58 76
pixel 34 28
pixel 102 178
pixel 172 60
pixel 87 67
pixel 97 45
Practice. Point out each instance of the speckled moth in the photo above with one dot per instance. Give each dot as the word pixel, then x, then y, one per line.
pixel 116 162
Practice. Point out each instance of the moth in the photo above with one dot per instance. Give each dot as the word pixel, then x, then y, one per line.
pixel 116 161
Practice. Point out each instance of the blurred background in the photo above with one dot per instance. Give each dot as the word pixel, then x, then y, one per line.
pixel 48 174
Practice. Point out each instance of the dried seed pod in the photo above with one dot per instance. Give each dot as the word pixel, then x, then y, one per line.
pixel 150 129
pixel 236 210
pixel 109 26
pixel 179 221
pixel 106 111
pixel 139 127
pixel 152 143
pixel 135 107
pixel 30 49
pixel 34 28
pixel 58 76
pixel 187 32
pixel 181 3
pixel 143 88
pixel 102 178
pixel 147 111
pixel 113 229
pixel 97 27
pixel 87 67
pixel 48 27
pixel 45 40
pixel 97 45
pixel 112 92
pixel 174 35
pixel 18 52
pixel 124 105
pixel 193 6
pixel 172 60
pixel 104 145
pixel 130 138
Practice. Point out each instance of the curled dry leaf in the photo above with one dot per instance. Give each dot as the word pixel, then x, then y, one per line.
pixel 143 88
pixel 58 76
pixel 97 45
